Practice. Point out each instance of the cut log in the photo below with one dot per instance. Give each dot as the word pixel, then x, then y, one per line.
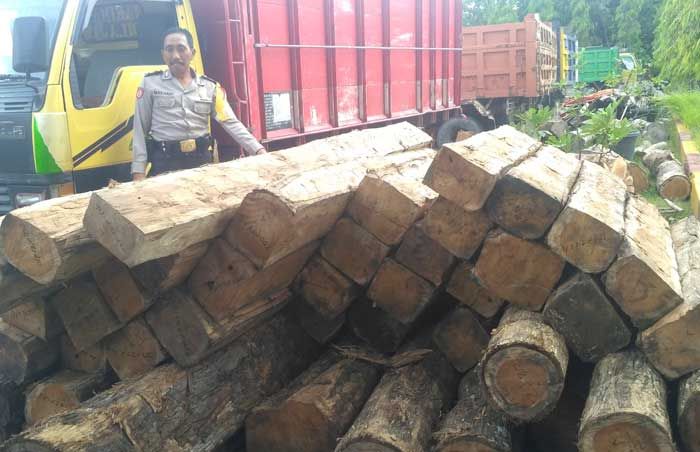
pixel 133 350
pixel 176 211
pixel 527 200
pixel 461 338
pixel 640 177
pixel 458 231
pixel 403 409
pixel 189 334
pixel 689 412
pixel 360 261
pixel 654 158
pixel 519 271
pixel 161 275
pixel 36 317
pixel 120 291
pixel 424 256
pixel 24 357
pixel 671 181
pixel 47 241
pixel 312 418
pixel 387 206
pixel 581 312
pixel 91 360
pixel 85 315
pixel 321 328
pixel 149 413
pixel 225 281
pixel 472 425
pixel 466 172
pixel 670 344
pixel 464 287
pixel 375 326
pixel 400 292
pixel 325 289
pixel 644 278
pixel 626 407
pixel 62 392
pixel 11 409
pixel 588 232
pixel 273 222
pixel 15 287
pixel 524 366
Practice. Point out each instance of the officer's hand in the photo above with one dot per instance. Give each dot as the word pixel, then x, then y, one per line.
pixel 260 151
pixel 138 176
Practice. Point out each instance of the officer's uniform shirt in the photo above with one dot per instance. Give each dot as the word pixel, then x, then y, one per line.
pixel 166 111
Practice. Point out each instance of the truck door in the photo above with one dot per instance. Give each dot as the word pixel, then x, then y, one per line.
pixel 114 44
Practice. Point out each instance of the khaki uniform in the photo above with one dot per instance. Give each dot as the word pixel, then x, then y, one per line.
pixel 167 112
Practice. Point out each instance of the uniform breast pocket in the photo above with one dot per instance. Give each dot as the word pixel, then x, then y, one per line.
pixel 164 101
pixel 202 106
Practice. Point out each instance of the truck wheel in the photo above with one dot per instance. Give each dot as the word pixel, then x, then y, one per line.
pixel 447 133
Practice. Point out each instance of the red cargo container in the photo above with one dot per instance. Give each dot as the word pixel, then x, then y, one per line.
pixel 508 60
pixel 300 69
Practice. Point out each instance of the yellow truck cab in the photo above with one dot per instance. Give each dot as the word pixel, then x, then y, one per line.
pixel 69 71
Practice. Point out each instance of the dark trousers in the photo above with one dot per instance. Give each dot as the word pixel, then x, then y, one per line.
pixel 167 161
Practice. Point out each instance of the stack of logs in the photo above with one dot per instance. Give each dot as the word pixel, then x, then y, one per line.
pixel 356 293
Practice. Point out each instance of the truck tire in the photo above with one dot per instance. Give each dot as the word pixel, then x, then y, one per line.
pixel 447 133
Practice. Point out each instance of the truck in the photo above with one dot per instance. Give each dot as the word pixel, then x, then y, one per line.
pixel 294 70
pixel 598 63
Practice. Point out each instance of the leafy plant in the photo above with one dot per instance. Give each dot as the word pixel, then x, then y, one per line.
pixel 676 49
pixel 685 105
pixel 532 121
pixel 564 142
pixel 603 128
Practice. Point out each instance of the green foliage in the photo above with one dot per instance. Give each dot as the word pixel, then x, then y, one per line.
pixel 603 128
pixel 483 12
pixel 677 46
pixel 564 142
pixel 685 106
pixel 532 121
pixel 635 21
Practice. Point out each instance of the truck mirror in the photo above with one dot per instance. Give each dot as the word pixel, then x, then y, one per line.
pixel 29 45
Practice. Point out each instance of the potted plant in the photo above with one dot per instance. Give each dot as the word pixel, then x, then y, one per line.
pixel 603 128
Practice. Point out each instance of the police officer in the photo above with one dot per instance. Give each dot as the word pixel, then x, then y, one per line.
pixel 173 107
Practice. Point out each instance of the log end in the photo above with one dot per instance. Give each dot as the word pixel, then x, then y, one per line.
pixel 13 360
pixel 636 433
pixel 112 230
pixel 48 399
pixel 301 427
pixel 29 249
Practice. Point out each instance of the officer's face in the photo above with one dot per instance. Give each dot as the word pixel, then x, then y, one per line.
pixel 177 53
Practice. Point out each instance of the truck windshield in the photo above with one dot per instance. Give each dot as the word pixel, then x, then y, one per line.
pixel 50 10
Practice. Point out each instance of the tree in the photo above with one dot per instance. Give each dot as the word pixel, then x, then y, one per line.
pixel 630 34
pixel 581 23
pixel 483 12
pixel 677 46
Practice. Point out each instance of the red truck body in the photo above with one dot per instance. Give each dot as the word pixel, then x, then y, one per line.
pixel 300 69
pixel 508 60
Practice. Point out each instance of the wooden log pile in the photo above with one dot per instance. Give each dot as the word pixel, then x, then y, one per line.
pixel 357 293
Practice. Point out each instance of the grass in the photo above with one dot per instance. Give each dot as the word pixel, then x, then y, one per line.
pixel 685 105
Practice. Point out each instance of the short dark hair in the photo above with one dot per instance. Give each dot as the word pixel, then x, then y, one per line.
pixel 180 31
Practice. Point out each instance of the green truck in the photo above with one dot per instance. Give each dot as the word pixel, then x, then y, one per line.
pixel 598 63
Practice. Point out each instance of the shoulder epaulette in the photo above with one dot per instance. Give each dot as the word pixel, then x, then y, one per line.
pixel 209 79
pixel 154 73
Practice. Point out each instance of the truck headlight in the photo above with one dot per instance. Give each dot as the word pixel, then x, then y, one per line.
pixel 27 199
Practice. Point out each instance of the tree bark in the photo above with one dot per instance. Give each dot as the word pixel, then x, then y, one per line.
pixel 91 360
pixel 360 261
pixel 472 425
pixel 176 211
pixel 424 256
pixel 386 206
pixel 461 338
pixel 189 334
pixel 640 177
pixel 403 409
pixel 524 366
pixel 458 231
pixel 47 241
pixel 589 230
pixel 519 271
pixel 321 328
pixel 11 409
pixel 313 417
pixel 400 292
pixel 375 326
pixel 581 312
pixel 133 350
pixel 325 289
pixel 626 406
pixel 36 317
pixel 24 357
pixel 466 172
pixel 527 200
pixel 85 315
pixel 689 412
pixel 671 181
pixel 120 291
pixel 655 158
pixel 466 288
pixel 172 409
pixel 644 279
pixel 159 276
pixel 15 287
pixel 63 391
pixel 225 281
pixel 670 343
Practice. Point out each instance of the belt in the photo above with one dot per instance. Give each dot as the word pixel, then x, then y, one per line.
pixel 200 144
